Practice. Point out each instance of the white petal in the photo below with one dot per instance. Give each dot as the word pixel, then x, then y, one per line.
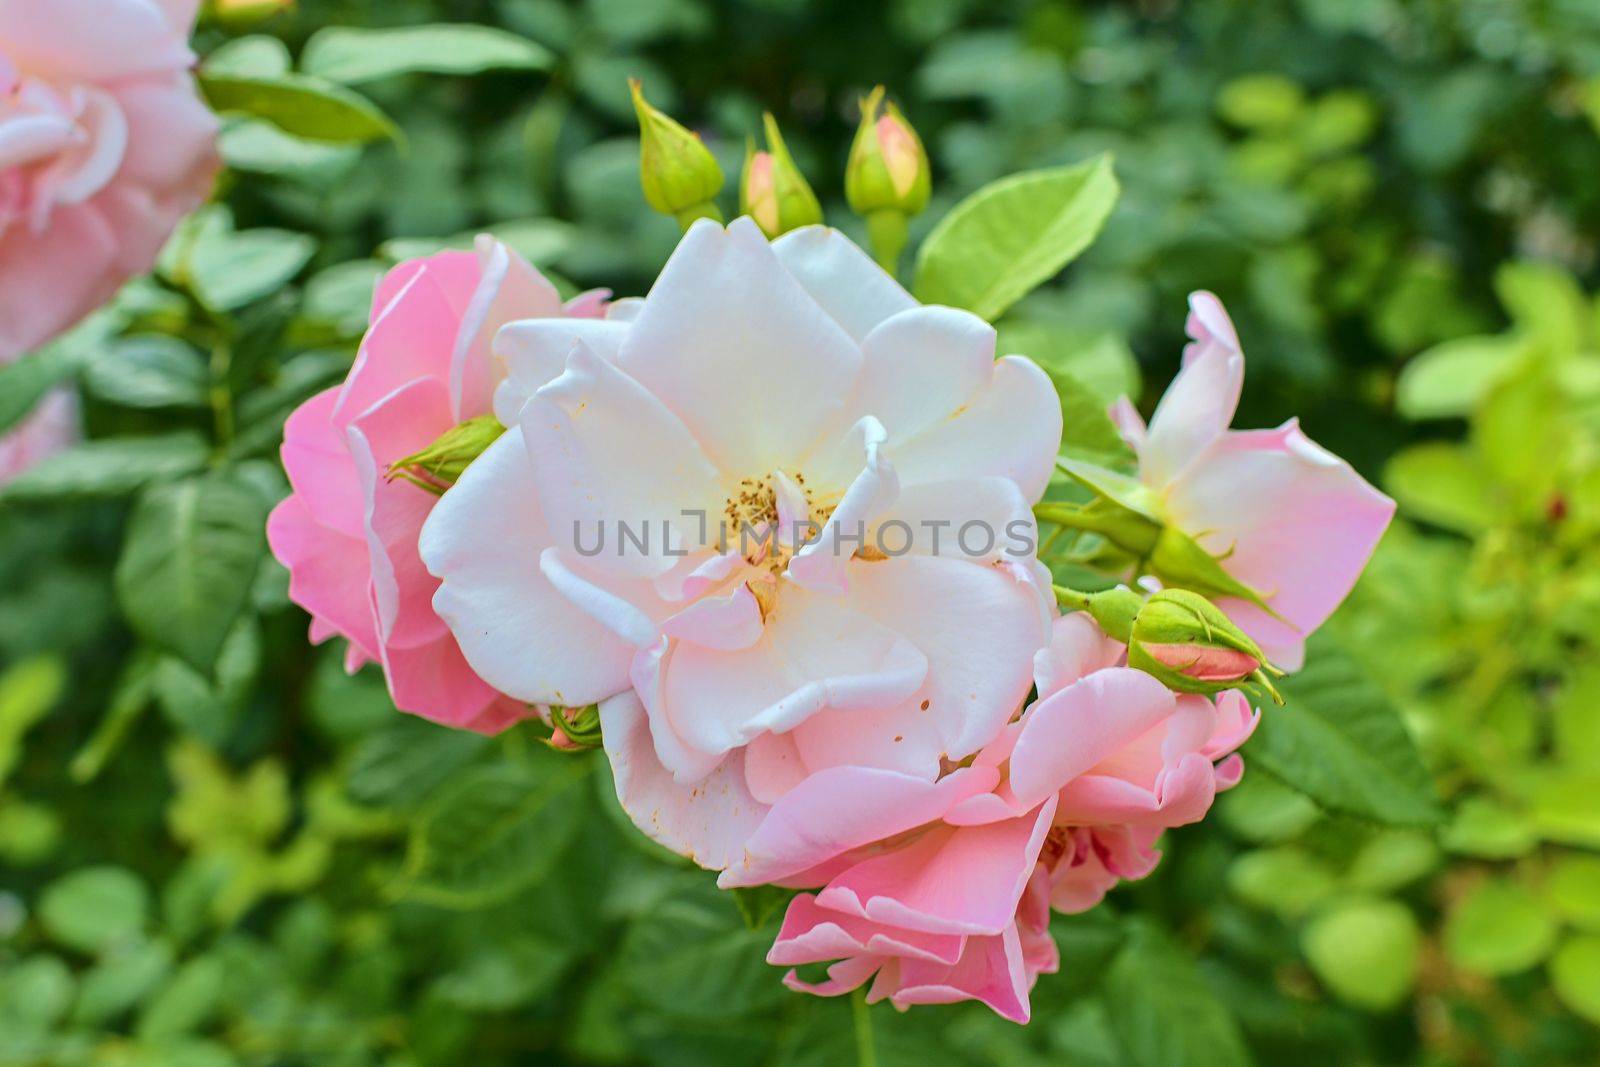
pixel 1011 428
pixel 842 278
pixel 708 821
pixel 533 352
pixel 821 564
pixel 483 541
pixel 979 627
pixel 731 343
pixel 816 652
pixel 607 455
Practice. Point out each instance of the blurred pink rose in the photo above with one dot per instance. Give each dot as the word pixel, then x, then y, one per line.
pixel 348 532
pixel 938 890
pixel 48 428
pixel 768 384
pixel 1284 516
pixel 104 146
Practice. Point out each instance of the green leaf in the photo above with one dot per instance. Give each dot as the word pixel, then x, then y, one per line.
pixel 306 107
pixel 28 690
pixel 120 980
pixel 252 56
pixel 1013 235
pixel 1575 976
pixel 186 1002
pixel 1341 743
pixel 35 992
pixel 108 467
pixel 1101 361
pixel 1572 887
pixel 492 831
pixel 1087 433
pixel 1392 860
pixel 149 372
pixel 1441 483
pixel 94 908
pixel 692 955
pixel 1365 951
pixel 1163 1012
pixel 1449 379
pixel 25 381
pixel 401 764
pixel 227 268
pixel 499 977
pixel 1286 881
pixel 1499 928
pixel 350 55
pixel 1485 828
pixel 188 562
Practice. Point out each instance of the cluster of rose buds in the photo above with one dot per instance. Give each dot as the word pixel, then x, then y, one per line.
pixel 521 507
pixel 887 181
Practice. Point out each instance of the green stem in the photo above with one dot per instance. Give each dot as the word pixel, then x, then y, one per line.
pixel 220 395
pixel 866 1051
pixel 704 210
pixel 887 232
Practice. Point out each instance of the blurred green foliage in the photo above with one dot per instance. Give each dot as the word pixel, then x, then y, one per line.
pixel 216 848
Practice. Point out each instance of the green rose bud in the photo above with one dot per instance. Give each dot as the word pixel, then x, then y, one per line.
pixel 679 175
pixel 772 191
pixel 441 464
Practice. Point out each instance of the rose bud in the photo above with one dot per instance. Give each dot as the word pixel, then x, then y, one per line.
pixel 438 466
pixel 679 175
pixel 888 178
pixel 772 190
pixel 1186 641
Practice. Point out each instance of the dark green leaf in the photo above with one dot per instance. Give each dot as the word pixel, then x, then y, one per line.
pixel 1163 1012
pixel 108 467
pixel 188 562
pixel 1341 743
pixel 306 107
pixel 149 372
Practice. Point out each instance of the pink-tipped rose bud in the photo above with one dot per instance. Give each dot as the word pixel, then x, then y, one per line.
pixel 772 191
pixel 888 178
pixel 1186 641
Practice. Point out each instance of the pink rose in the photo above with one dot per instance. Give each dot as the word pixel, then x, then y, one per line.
pixel 767 384
pixel 104 146
pixel 1283 515
pixel 348 532
pixel 938 888
pixel 48 428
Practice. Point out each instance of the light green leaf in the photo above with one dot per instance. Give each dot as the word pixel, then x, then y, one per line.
pixel 1101 361
pixel 1012 235
pixel 306 107
pixel 94 908
pixel 108 467
pixel 1449 379
pixel 1162 1010
pixel 253 56
pixel 351 55
pixel 35 992
pixel 1485 828
pixel 260 147
pixel 1499 928
pixel 149 372
pixel 1365 951
pixel 1441 483
pixel 28 690
pixel 1392 860
pixel 1087 432
pixel 1261 101
pixel 187 563
pixel 1341 742
pixel 1286 881
pixel 186 1002
pixel 492 831
pixel 1572 886
pixel 1575 976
